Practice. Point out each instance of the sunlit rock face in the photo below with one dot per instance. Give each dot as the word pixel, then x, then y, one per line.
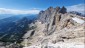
pixel 45 16
pixel 55 28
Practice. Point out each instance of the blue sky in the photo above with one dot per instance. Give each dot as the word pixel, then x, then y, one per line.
pixel 35 5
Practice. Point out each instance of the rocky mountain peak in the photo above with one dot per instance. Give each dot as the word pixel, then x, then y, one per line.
pixel 55 28
pixel 45 16
pixel 41 12
pixel 63 10
pixel 50 8
pixel 57 9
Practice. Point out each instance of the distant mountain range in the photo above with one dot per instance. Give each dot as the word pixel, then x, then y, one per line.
pixel 77 13
pixel 13 28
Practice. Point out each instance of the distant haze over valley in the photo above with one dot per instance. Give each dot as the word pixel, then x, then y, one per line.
pixel 42 23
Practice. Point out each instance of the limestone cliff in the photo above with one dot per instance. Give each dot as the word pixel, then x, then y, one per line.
pixel 56 28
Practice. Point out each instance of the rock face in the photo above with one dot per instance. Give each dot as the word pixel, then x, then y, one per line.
pixel 51 16
pixel 63 10
pixel 55 28
pixel 45 16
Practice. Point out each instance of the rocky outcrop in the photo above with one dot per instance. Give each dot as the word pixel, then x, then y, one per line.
pixel 63 10
pixel 51 17
pixel 55 28
pixel 45 16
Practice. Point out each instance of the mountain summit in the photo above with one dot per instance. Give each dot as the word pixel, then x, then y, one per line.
pixel 56 28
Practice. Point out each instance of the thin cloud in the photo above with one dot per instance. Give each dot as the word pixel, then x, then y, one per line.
pixel 12 11
pixel 78 8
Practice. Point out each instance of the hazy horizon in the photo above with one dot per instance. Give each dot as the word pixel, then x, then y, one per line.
pixel 34 7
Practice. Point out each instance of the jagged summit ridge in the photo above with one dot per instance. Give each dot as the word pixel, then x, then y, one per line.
pixel 55 28
pixel 44 15
pixel 63 10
